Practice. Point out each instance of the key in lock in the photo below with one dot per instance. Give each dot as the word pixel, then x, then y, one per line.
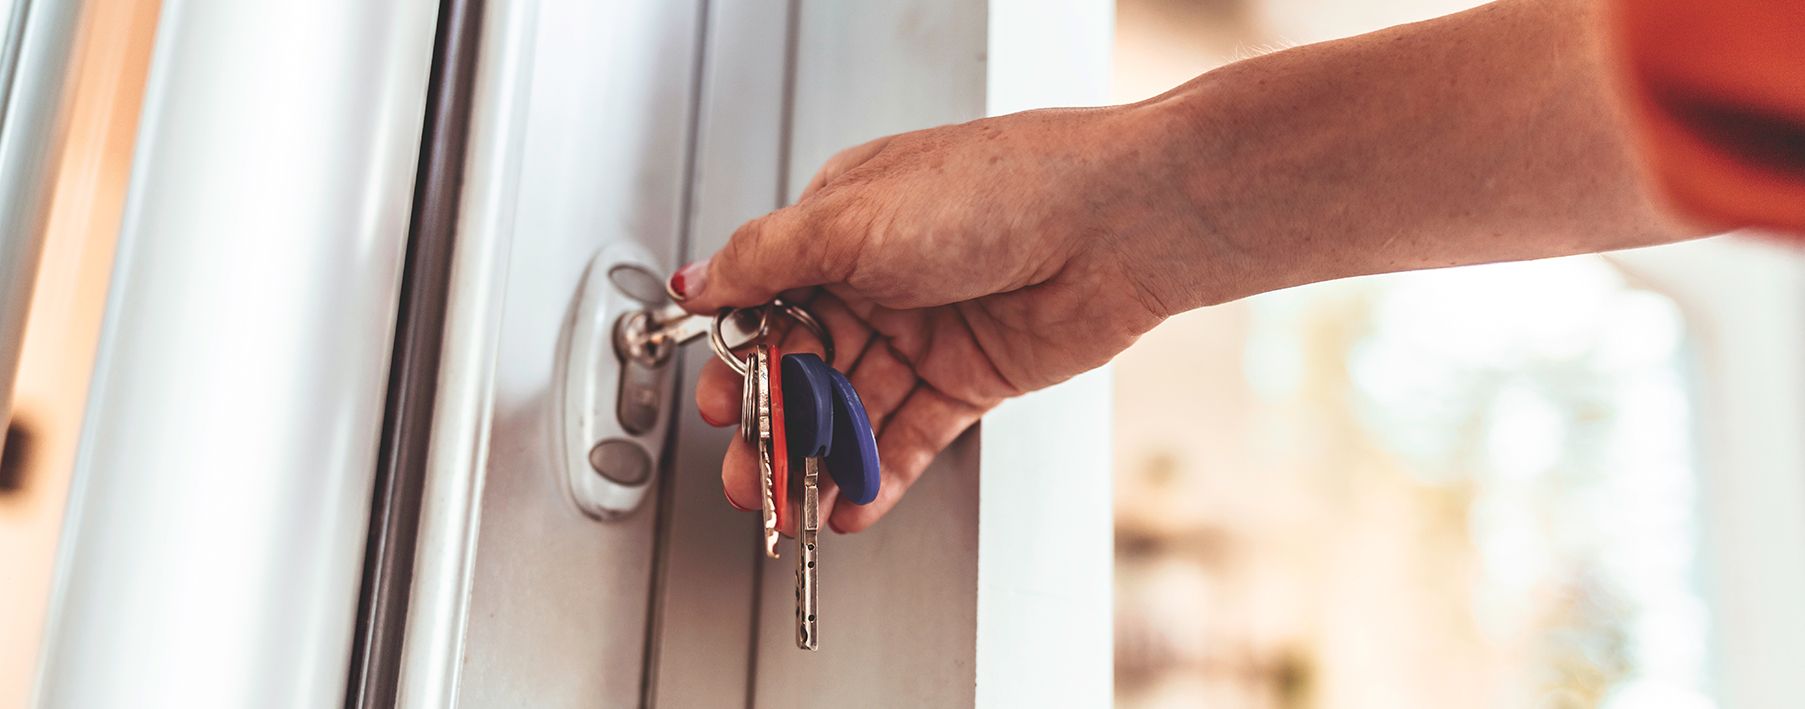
pixel 616 387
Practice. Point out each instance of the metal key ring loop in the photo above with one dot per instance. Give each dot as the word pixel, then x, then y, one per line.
pixel 805 316
pixel 717 338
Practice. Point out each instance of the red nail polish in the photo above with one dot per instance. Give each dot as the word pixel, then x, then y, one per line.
pixel 688 281
pixel 736 505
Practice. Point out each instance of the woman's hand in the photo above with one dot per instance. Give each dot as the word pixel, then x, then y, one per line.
pixel 955 267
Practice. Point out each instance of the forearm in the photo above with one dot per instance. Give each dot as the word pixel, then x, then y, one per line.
pixel 1484 136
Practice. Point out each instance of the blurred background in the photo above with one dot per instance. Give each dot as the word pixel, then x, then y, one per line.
pixel 110 60
pixel 1476 487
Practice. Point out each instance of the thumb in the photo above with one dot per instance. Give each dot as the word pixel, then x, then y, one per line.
pixel 774 253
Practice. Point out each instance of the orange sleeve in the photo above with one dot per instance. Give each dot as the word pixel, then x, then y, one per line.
pixel 1718 90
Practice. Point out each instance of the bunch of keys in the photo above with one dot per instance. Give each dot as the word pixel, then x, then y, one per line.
pixel 797 412
pixel 798 407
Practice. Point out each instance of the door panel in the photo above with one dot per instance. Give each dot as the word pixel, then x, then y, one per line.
pixel 666 125
pixel 709 552
pixel 864 70
pixel 560 601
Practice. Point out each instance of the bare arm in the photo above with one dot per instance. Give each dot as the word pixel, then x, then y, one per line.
pixel 1483 136
pixel 975 262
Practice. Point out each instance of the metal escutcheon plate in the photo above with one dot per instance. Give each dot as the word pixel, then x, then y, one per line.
pixel 612 413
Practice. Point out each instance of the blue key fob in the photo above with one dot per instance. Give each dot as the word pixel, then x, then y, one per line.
pixel 808 392
pixel 852 459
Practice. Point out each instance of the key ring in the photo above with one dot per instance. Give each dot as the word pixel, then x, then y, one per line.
pixel 717 339
pixel 803 315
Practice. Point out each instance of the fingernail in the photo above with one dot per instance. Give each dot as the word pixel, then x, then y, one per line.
pixel 831 524
pixel 688 281
pixel 709 421
pixel 730 501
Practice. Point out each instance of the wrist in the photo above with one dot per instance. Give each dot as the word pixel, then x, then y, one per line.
pixel 1195 244
pixel 1261 205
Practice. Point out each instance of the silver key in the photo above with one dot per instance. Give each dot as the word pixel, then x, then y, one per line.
pixel 749 403
pixel 807 581
pixel 653 335
pixel 761 385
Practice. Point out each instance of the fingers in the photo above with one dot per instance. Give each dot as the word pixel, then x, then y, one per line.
pixel 925 425
pixel 794 247
pixel 718 393
pixel 830 494
pixel 759 261
pixel 851 335
pixel 739 476
pixel 883 381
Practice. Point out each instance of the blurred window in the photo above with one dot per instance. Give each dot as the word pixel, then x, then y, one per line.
pixel 1469 487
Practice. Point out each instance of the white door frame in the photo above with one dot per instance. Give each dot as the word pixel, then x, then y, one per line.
pixel 211 551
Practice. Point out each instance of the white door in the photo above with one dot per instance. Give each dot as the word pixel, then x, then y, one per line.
pixel 271 510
